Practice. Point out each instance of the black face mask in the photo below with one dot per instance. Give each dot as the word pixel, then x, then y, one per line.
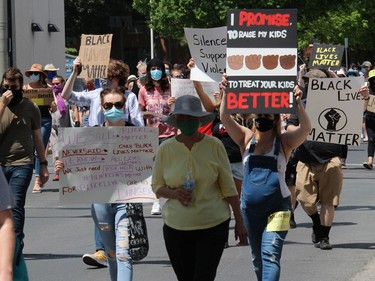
pixel 17 96
pixel 263 124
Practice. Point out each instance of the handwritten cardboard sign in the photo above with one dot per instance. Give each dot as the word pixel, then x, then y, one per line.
pixel 208 48
pixel 371 104
pixel 326 56
pixel 107 164
pixel 95 52
pixel 261 61
pixel 41 96
pixel 335 109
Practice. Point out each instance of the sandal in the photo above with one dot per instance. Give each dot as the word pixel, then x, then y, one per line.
pixel 37 186
pixel 367 166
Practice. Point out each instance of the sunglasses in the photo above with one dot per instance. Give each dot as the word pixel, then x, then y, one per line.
pixel 109 105
pixel 56 83
pixel 12 88
pixel 31 73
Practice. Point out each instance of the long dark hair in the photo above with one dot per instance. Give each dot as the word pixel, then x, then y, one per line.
pixel 164 83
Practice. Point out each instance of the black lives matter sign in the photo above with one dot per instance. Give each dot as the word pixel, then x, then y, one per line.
pixel 261 61
pixel 326 56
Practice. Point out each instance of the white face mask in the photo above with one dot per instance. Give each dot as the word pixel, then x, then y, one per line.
pixel 34 77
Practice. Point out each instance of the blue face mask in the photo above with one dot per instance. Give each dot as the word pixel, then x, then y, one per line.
pixel 51 75
pixel 167 72
pixel 364 71
pixel 114 115
pixel 156 74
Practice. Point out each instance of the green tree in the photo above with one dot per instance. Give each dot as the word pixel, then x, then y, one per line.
pixel 328 21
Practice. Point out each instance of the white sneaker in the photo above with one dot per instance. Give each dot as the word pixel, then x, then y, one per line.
pixel 156 210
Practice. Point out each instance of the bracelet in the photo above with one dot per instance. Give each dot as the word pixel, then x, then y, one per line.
pixel 45 163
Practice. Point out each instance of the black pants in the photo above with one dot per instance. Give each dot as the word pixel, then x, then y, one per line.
pixel 195 254
pixel 370 127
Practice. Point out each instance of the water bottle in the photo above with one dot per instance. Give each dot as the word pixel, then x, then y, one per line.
pixel 189 183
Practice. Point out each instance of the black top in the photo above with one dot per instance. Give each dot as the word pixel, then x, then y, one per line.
pixel 232 149
pixel 313 152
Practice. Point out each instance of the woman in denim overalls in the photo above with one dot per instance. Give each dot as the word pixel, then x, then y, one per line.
pixel 265 198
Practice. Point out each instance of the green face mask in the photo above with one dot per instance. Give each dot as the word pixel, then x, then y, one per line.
pixel 188 127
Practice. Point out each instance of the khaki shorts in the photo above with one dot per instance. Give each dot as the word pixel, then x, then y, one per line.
pixel 319 182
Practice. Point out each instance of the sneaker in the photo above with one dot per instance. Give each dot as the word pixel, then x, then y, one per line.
pixel 324 244
pixel 98 259
pixel 156 209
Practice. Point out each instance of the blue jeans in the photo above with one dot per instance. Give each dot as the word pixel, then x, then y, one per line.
pixel 266 247
pixel 19 178
pixel 46 133
pixel 113 224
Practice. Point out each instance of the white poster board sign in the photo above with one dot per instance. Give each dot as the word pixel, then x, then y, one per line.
pixel 107 164
pixel 335 109
pixel 208 47
pixel 180 87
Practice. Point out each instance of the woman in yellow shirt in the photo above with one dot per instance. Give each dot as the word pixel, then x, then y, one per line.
pixel 192 171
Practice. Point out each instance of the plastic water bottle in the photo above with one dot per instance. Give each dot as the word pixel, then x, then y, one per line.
pixel 189 183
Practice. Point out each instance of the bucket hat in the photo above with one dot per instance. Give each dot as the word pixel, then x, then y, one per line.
pixel 50 67
pixel 315 73
pixel 36 67
pixel 366 64
pixel 189 105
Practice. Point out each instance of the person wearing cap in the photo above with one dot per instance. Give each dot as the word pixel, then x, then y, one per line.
pixel 37 81
pixel 319 178
pixel 155 100
pixel 51 71
pixel 132 84
pixel 365 68
pixel 265 194
pixel 196 220
pixel 370 121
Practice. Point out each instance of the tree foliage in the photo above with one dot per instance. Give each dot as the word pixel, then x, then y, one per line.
pixel 325 21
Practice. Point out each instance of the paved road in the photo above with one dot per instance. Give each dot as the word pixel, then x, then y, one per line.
pixel 57 236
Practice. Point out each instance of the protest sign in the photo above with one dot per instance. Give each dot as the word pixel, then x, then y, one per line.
pixel 335 109
pixel 41 96
pixel 107 164
pixel 261 61
pixel 371 104
pixel 326 56
pixel 94 53
pixel 180 87
pixel 208 48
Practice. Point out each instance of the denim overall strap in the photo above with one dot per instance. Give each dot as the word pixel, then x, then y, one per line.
pixel 261 187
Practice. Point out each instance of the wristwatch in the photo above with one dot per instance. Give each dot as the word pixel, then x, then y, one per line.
pixel 45 163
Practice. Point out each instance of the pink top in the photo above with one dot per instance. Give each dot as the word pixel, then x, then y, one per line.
pixel 156 101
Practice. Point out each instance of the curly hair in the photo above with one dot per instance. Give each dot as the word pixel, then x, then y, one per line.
pixel 118 69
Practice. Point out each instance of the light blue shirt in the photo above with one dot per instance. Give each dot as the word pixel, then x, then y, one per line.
pixel 96 117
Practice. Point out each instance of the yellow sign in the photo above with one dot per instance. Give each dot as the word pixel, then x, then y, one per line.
pixel 41 96
pixel 279 221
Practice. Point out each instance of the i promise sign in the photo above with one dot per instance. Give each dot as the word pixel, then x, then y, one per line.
pixel 94 52
pixel 261 61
